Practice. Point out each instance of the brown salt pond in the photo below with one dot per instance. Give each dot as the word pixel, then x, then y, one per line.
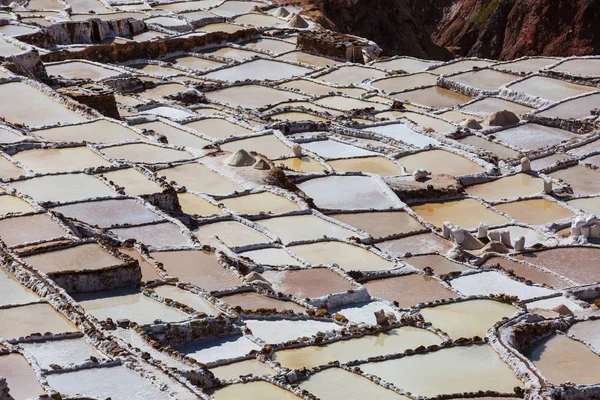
pixel 174 135
pixel 145 153
pixel 268 145
pixel 218 128
pixel 100 131
pixel 451 370
pixel 536 211
pixel 409 290
pixel 380 224
pixel 528 272
pixel 467 213
pixel 440 162
pixel 439 264
pixel 435 97
pixel 253 300
pixel 561 359
pixel 308 283
pixel 271 256
pixel 232 233
pixel 197 177
pixel 164 234
pixel 242 368
pixel 90 256
pixel 346 256
pixel 13 204
pixel 12 292
pixel 198 303
pixel 582 179
pixel 106 213
pixel 195 205
pixel 467 318
pixel 259 390
pixel 572 262
pixel 72 187
pixel 519 185
pixel 374 165
pixel 259 203
pixel 134 182
pixel 149 272
pixel 197 267
pixel 127 304
pixel 30 228
pixel 306 227
pixel 389 342
pixel 20 377
pixel 33 318
pixel 416 244
pixel 337 383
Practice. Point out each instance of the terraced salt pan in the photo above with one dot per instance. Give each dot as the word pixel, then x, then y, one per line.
pixel 354 386
pixel 197 177
pixel 107 213
pixel 134 182
pixel 20 377
pixel 197 267
pixel 427 123
pixel 589 205
pixel 16 30
pixel 145 153
pixel 460 66
pixel 588 332
pixel 233 234
pixel 8 136
pixel 251 96
pixel 536 211
pixel 268 145
pixel 208 351
pixel 529 273
pixel 253 300
pixel 319 89
pixel 348 104
pixel 308 283
pixel 548 88
pixel 81 70
pixel 127 304
pixel 572 109
pixel 195 205
pixel 495 283
pixel 242 368
pixel 282 330
pixel 528 65
pixel 403 133
pixel 30 228
pixel 388 342
pixel 541 163
pixel 533 136
pixel 531 236
pixel 271 45
pixel 484 79
pixel 189 5
pixel 195 63
pixel 60 160
pixel 490 105
pixel 467 318
pixel 259 20
pixel 220 27
pixel 233 7
pixel 12 292
pixel 61 352
pixel 334 149
pixel 364 312
pixel 158 92
pixel 450 370
pixel 310 59
pixel 8 170
pixel 586 67
pixel 117 383
pixel 572 262
pixel 435 97
pixel 156 70
pixel 9 49
pixel 467 213
pixel 440 265
pixel 348 192
pixel 296 116
pixel 416 244
pixel 582 180
pixel 502 152
pixel 401 83
pixel 306 164
pixel 305 227
pixel 25 98
pixel 351 75
pixel 253 391
pixel 168 112
pixel 13 204
pixel 261 69
pixel 33 318
pixel 89 256
pixel 561 359
pixel 519 185
pixel 380 224
pixel 99 131
pixel 218 128
pixel 188 298
pixel 149 272
pixel 409 290
pixel 346 256
pixel 440 162
pixel 164 234
pixel 406 64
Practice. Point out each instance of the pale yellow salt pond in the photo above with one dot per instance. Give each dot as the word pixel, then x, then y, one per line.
pixel 8 170
pixel 90 256
pixel 380 224
pixel 253 391
pixel 61 160
pixel 251 96
pixel 271 256
pixel 100 131
pixel 347 256
pixel 195 205
pixel 145 153
pixel 197 177
pixel 440 162
pixel 81 70
pixel 450 370
pixel 134 182
pixel 467 318
pixel 218 128
pixel 589 205
pixel 304 163
pixel 12 291
pixel 33 318
pixel 318 89
pixel 175 136
pixel 310 59
pixel 268 145
pixel 72 187
pixel 13 204
pixel 337 383
pixel 389 342
pixel 351 74
pixel 304 227
pixel 519 185
pixel 232 233
pixel 535 211
pixel 242 368
pixel 373 165
pixel 467 213
pixel 197 302
pixel 257 203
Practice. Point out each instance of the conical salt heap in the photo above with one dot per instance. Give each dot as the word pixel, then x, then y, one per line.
pixel 297 22
pixel 256 9
pixel 240 158
pixel 281 12
pixel 262 165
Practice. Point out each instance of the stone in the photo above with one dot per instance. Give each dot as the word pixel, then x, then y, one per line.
pixel 501 118
pixel 297 22
pixel 561 309
pixel 471 124
pixel 262 164
pixel 281 12
pixel 420 174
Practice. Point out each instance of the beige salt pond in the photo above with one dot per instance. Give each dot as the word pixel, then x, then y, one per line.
pixel 33 318
pixel 106 213
pixel 452 370
pixel 195 205
pixel 134 182
pixel 389 342
pixel 308 283
pixel 197 177
pixel 460 66
pixel 527 272
pixel 253 300
pixel 337 383
pixel 305 164
pixel 401 83
pixel 467 213
pixel 8 170
pixel 163 234
pixel 347 103
pixel 218 128
pixel 439 264
pixel 589 205
pixel 586 67
pixel 351 74
pixel 13 204
pixel 380 224
pixel 257 203
pixel 575 109
pixel 583 180
pixel 12 292
pixel 489 105
pixel 435 97
pixel 374 165
pixel 220 27
pixel 242 368
pixel 310 59
pixel 127 304
pixel 259 390
pixel 198 303
pixel 99 131
pixel 233 234
pixel 501 151
pixel 270 45
pixel 195 63
pixel 535 211
pixel 20 377
pixel 251 96
pixel 268 145
pixel 149 272
pixel 145 153
pixel 61 160
pixel 549 88
pixel 484 79
pixel 219 349
pixel 319 89
pixel 84 257
pixel 467 318
pixel 197 267
pixel 519 185
pixel 409 290
pixel 533 136
pixel 305 227
pixel 260 69
pixel 572 262
pixel 346 256
pixel 259 20
pixel 30 228
pixel 440 162
pixel 81 70
pixel 529 65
